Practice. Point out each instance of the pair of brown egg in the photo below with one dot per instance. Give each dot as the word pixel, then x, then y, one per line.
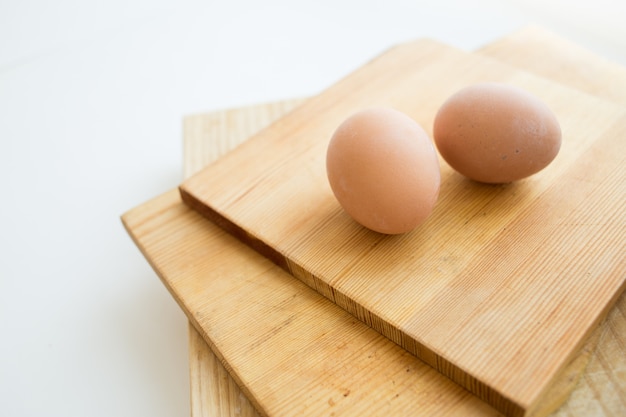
pixel 384 171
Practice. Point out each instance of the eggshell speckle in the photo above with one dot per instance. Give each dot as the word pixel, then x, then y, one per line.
pixel 383 170
pixel 496 133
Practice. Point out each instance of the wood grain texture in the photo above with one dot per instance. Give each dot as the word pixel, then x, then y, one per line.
pixel 206 137
pixel 544 53
pixel 601 390
pixel 454 327
pixel 214 393
pixel 292 352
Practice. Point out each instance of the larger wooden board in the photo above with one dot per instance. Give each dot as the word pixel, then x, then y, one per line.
pixel 447 342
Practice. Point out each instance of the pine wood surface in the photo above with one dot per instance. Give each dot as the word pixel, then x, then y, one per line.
pixel 206 137
pixel 214 393
pixel 538 230
pixel 601 390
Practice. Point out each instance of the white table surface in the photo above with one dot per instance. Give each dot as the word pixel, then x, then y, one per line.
pixel 92 96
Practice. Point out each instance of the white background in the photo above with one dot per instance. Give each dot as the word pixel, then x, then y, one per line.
pixel 92 95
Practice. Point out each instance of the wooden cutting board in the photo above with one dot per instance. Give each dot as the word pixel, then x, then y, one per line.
pixel 601 390
pixel 214 393
pixel 509 280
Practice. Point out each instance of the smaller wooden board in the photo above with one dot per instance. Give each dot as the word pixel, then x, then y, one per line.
pixel 468 319
pixel 215 394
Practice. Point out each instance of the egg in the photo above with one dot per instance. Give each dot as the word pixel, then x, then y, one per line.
pixel 496 133
pixel 383 169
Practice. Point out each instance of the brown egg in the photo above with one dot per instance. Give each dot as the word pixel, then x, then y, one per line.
pixel 383 170
pixel 496 133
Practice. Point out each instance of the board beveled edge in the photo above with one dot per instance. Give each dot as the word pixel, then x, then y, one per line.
pixel 481 389
pixel 234 229
pixel 170 200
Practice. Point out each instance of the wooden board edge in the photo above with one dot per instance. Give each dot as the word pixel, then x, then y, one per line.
pixel 165 202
